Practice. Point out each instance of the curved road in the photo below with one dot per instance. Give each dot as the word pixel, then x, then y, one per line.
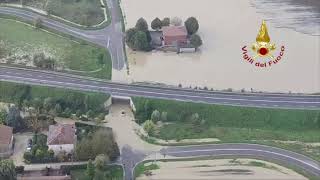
pixel 111 37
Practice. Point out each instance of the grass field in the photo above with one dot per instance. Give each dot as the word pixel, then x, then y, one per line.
pixel 231 123
pixel 83 12
pixel 20 42
pixel 113 173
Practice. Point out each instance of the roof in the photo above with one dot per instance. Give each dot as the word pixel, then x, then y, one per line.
pixel 174 31
pixel 5 134
pixel 61 134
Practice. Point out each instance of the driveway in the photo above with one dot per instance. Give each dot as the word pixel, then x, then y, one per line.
pixel 21 141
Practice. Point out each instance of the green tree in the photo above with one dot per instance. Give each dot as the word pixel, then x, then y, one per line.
pixel 3 116
pixel 149 127
pixel 156 24
pixel 14 119
pixel 155 116
pixel 58 109
pixel 7 170
pixel 130 34
pixel 192 25
pixel 165 21
pixel 142 25
pixel 100 161
pixel 196 41
pixel 48 103
pixel 141 41
pixel 90 170
pixel 319 119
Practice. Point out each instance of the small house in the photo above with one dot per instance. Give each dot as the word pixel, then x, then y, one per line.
pixel 174 35
pixel 62 137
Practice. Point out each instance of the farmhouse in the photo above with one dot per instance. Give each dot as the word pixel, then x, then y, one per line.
pixel 6 140
pixel 62 137
pixel 174 35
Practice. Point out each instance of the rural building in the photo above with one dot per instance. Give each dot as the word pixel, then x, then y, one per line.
pixel 6 140
pixel 174 35
pixel 62 137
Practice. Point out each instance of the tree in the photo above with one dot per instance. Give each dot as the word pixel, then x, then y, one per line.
pixel 165 21
pixel 142 25
pixel 48 103
pixel 130 34
pixel 176 21
pixel 58 109
pixel 14 119
pixel 140 41
pixel 156 24
pixel 7 170
pixel 90 170
pixel 149 127
pixel 192 25
pixel 34 121
pixel 37 23
pixel 196 41
pixel 3 116
pixel 155 116
pixel 164 116
pixel 100 161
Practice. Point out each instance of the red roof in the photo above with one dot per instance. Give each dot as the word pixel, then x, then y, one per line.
pixel 6 133
pixel 61 134
pixel 174 31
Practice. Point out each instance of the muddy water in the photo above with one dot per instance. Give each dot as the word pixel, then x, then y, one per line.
pixel 225 26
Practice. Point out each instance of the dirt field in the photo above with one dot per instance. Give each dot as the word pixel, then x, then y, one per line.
pixel 244 169
pixel 225 27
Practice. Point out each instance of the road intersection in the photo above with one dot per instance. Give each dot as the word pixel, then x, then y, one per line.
pixel 111 37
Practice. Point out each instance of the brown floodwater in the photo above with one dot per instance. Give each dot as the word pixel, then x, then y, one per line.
pixel 225 27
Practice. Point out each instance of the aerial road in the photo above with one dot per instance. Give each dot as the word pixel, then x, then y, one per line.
pixel 128 90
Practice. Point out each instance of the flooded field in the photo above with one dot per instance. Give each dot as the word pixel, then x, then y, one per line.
pixel 225 27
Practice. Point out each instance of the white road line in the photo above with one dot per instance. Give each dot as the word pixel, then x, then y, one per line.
pixel 155 93
pixel 108 44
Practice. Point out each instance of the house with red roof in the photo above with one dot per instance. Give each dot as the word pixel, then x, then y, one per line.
pixel 62 137
pixel 174 35
pixel 6 140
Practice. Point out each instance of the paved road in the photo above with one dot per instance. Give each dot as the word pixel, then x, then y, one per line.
pixel 109 37
pixel 266 152
pixel 127 90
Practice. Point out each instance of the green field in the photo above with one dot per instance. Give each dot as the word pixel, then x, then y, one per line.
pixel 83 12
pixel 112 173
pixel 20 42
pixel 230 123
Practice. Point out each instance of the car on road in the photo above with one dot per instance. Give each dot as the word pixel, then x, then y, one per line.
pixel 29 145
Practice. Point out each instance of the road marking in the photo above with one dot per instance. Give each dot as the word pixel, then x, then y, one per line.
pixel 108 44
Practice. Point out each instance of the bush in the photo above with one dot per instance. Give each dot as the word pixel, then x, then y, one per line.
pixel 149 127
pixel 19 169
